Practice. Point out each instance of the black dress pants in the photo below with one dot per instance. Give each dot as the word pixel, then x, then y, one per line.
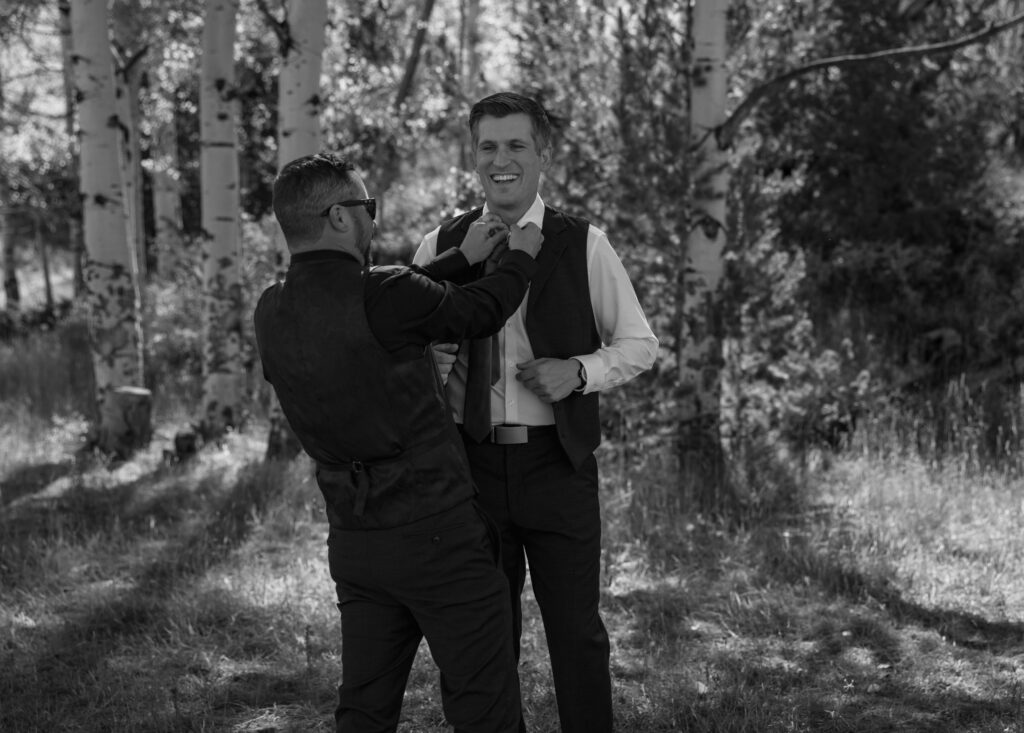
pixel 436 578
pixel 549 514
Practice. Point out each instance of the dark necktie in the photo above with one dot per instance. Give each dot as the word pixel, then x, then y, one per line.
pixel 483 370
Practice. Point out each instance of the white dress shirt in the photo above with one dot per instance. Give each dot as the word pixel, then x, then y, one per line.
pixel 628 348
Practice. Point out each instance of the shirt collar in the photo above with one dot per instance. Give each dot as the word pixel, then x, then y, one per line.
pixel 318 255
pixel 533 215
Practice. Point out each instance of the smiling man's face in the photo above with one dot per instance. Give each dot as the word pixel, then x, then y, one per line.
pixel 509 164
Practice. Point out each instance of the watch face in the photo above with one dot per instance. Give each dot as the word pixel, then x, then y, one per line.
pixel 582 374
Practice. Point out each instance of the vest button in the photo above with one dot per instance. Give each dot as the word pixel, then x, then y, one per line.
pixel 435 539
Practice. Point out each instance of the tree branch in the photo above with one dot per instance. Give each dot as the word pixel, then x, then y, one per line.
pixel 123 62
pixel 405 88
pixel 909 8
pixel 725 132
pixel 280 27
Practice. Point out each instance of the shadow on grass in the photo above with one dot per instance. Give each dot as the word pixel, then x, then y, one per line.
pixel 690 662
pixel 107 626
pixel 204 518
pixel 788 556
pixel 228 523
pixel 764 628
pixel 26 480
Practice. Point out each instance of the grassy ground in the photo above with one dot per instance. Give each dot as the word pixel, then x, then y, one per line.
pixel 156 596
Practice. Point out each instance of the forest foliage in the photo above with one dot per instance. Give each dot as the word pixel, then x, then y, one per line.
pixel 876 211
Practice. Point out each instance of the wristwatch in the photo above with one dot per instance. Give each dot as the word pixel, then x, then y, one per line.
pixel 582 374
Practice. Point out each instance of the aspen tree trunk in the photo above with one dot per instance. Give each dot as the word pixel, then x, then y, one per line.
pixel 222 291
pixel 387 163
pixel 111 291
pixel 700 341
pixel 472 82
pixel 413 60
pixel 469 66
pixel 166 198
pixel 12 294
pixel 44 261
pixel 168 225
pixel 74 217
pixel 129 86
pixel 299 101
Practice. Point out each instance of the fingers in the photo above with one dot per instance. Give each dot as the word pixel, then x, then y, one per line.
pixel 527 238
pixel 443 354
pixel 497 228
pixel 444 357
pixel 549 379
pixel 492 222
pixel 497 235
pixel 481 238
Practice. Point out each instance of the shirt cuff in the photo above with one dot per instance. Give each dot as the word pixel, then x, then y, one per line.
pixel 595 371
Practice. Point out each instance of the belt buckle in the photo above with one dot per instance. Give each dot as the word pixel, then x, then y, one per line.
pixel 509 434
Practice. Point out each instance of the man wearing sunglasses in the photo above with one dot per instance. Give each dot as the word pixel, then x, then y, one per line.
pixel 346 348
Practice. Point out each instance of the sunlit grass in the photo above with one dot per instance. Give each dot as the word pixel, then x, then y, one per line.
pixel 953 539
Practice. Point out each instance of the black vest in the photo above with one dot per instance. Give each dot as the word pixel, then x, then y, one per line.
pixel 380 430
pixel 559 317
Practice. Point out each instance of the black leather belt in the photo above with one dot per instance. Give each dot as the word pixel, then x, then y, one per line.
pixel 518 434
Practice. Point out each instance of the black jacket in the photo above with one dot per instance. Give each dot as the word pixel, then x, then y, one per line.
pixel 347 352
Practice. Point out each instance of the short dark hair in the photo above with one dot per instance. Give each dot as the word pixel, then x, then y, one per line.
pixel 304 188
pixel 504 104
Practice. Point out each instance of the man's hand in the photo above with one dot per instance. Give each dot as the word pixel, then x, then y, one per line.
pixel 527 238
pixel 483 235
pixel 444 357
pixel 550 379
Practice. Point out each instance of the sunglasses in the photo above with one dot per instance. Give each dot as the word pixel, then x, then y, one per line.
pixel 370 204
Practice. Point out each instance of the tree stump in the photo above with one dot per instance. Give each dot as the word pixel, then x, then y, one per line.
pixel 125 421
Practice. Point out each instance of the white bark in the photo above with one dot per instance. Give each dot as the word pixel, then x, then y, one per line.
pixel 700 350
pixel 472 82
pixel 299 102
pixel 299 98
pixel 700 343
pixel 110 289
pixel 223 376
pixel 74 220
pixel 129 86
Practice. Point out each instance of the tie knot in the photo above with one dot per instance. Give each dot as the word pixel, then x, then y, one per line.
pixel 492 259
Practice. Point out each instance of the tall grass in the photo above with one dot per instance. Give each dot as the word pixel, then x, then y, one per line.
pixel 48 373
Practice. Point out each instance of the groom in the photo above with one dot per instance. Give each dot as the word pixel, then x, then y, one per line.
pixel 526 401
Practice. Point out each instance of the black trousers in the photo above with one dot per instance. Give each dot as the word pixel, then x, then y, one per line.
pixel 436 578
pixel 549 514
